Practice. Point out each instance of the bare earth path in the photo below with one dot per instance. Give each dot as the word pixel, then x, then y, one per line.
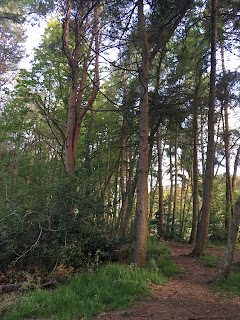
pixel 186 296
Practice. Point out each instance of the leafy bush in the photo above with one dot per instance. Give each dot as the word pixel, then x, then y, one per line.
pixel 66 226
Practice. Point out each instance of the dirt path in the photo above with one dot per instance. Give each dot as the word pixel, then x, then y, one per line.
pixel 186 296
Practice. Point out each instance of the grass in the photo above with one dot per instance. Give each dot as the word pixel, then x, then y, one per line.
pixel 114 286
pixel 232 283
pixel 209 260
pixel 157 249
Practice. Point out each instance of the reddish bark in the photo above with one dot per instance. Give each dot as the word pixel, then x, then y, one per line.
pixel 76 110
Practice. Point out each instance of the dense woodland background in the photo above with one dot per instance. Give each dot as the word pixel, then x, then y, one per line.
pixel 126 125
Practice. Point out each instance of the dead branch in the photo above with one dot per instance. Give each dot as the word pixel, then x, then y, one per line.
pixel 50 284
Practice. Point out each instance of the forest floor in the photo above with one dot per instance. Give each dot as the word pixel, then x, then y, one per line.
pixel 186 296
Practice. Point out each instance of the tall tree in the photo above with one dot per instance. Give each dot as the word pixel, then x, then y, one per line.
pixel 160 186
pixel 227 144
pixel 175 183
pixel 208 180
pixel 83 17
pixel 195 163
pixel 140 247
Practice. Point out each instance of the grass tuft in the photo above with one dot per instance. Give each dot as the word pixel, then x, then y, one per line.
pixel 231 283
pixel 157 249
pixel 209 260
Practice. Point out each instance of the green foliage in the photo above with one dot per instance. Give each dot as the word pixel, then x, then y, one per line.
pixel 209 260
pixel 114 286
pixel 231 283
pixel 166 265
pixel 157 249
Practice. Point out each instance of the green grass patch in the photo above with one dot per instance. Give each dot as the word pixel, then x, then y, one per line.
pixel 232 283
pixel 157 249
pixel 217 244
pixel 209 260
pixel 114 286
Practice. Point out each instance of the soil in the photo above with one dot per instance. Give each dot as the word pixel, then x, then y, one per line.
pixel 186 296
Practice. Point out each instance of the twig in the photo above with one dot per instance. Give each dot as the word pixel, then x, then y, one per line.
pixel 7 194
pixel 32 246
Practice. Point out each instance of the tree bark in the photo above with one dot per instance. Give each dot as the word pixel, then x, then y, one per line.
pixel 195 166
pixel 170 191
pixel 160 186
pixel 175 185
pixel 185 205
pixel 201 243
pixel 229 196
pixel 236 163
pixel 232 238
pixel 140 247
pixel 76 111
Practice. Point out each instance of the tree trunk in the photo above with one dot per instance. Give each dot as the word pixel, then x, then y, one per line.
pixel 160 185
pixel 176 186
pixel 184 206
pixel 76 111
pixel 227 146
pixel 195 167
pixel 170 192
pixel 232 238
pixel 123 160
pixel 236 163
pixel 140 247
pixel 208 181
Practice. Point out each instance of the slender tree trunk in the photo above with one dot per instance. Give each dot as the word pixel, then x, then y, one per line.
pixel 232 238
pixel 115 201
pixel 160 186
pixel 227 146
pixel 195 167
pixel 208 181
pixel 202 147
pixel 236 163
pixel 152 195
pixel 170 192
pixel 140 247
pixel 175 185
pixel 184 205
pixel 123 170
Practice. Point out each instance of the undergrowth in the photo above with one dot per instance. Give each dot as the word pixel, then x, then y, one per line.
pixel 209 260
pixel 231 283
pixel 114 286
